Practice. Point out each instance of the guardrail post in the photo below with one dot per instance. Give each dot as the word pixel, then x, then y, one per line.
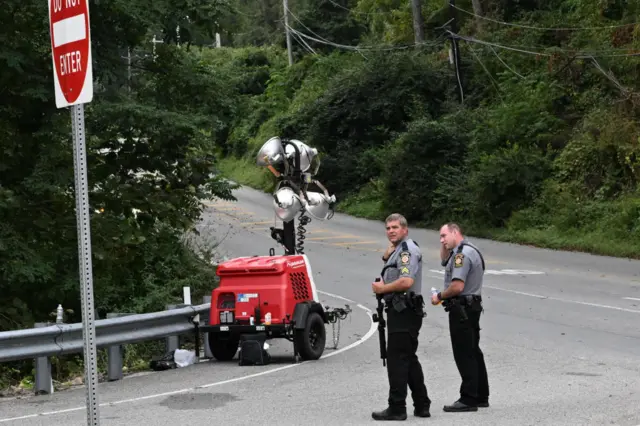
pixel 44 382
pixel 114 355
pixel 172 342
pixel 186 291
pixel 205 336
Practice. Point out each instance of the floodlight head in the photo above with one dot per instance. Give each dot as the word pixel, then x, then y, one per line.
pixel 319 205
pixel 307 154
pixel 271 154
pixel 287 204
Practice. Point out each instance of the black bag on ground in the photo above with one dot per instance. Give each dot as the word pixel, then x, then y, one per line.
pixel 252 350
pixel 165 362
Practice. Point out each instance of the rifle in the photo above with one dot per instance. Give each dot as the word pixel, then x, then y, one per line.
pixel 379 318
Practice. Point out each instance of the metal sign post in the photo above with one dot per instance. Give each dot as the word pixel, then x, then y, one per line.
pixel 86 267
pixel 73 85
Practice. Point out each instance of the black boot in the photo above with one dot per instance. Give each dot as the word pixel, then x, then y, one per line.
pixel 458 407
pixel 421 412
pixel 390 414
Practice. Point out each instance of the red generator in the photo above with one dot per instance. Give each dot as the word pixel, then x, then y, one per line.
pixel 274 295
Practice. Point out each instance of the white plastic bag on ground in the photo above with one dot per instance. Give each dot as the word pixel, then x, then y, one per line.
pixel 183 358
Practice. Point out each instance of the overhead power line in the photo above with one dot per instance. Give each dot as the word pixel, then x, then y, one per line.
pixel 580 54
pixel 544 28
pixel 356 11
pixel 363 48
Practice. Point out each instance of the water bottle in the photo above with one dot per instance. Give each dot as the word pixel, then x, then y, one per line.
pixel 59 314
pixel 435 291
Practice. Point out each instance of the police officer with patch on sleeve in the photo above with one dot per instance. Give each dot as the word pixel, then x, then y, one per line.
pixel 401 288
pixel 462 298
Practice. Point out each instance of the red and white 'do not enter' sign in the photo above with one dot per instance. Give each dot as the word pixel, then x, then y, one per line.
pixel 71 51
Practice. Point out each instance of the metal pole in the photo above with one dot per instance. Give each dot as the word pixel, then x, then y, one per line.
pixel 86 275
pixel 44 383
pixel 172 343
pixel 286 27
pixel 418 22
pixel 289 237
pixel 129 69
pixel 207 350
pixel 456 50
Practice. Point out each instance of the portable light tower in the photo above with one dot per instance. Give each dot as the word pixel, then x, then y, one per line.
pixel 295 164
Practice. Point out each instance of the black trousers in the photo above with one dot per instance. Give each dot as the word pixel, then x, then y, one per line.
pixel 465 340
pixel 403 367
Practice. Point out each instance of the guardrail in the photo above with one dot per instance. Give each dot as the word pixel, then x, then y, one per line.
pixel 45 340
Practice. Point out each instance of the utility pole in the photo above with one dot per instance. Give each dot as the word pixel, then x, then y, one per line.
pixel 418 23
pixel 286 27
pixel 477 7
pixel 129 68
pixel 455 54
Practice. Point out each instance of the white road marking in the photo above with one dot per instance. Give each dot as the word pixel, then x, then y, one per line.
pixel 631 298
pixel 557 299
pixel 336 296
pixel 364 308
pixel 500 272
pixel 373 329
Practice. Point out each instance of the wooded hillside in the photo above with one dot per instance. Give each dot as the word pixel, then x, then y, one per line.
pixel 532 138
pixel 537 146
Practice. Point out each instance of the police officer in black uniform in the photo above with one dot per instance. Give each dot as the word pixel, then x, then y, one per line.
pixel 401 288
pixel 462 298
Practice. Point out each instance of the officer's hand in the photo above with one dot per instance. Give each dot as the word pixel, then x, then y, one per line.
pixel 377 287
pixel 434 299
pixel 390 250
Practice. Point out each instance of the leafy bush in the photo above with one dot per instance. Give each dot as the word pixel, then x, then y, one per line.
pixel 360 111
pixel 603 159
pixel 505 181
pixel 414 166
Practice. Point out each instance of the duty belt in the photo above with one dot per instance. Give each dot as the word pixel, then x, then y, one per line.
pixel 458 303
pixel 468 299
pixel 401 301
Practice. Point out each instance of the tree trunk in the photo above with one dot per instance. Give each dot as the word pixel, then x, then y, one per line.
pixel 418 23
pixel 477 7
pixel 477 10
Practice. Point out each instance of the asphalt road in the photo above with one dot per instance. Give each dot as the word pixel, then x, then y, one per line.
pixel 560 334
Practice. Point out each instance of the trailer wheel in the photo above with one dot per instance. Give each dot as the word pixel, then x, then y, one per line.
pixel 223 349
pixel 310 341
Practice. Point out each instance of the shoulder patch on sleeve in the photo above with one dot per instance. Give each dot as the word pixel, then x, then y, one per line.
pixel 405 256
pixel 458 260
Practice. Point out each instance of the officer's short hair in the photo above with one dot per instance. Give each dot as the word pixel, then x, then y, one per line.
pixel 397 216
pixel 454 227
